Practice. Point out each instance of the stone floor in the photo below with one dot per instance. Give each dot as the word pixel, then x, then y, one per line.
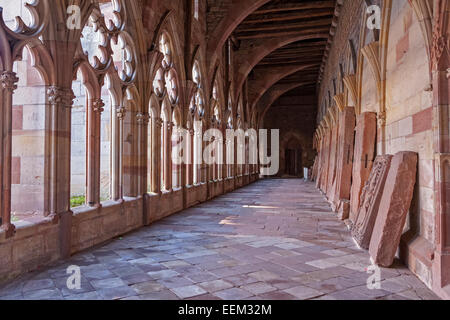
pixel 275 239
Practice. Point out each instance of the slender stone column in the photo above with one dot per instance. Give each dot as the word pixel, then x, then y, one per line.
pixel 190 164
pixel 142 121
pixel 95 108
pixel 156 156
pixel 60 100
pixel 167 156
pixel 117 154
pixel 8 84
pixel 197 158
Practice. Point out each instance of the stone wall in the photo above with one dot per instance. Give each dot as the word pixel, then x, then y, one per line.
pixel 392 78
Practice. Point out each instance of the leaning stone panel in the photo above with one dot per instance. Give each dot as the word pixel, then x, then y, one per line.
pixel 394 207
pixel 345 158
pixel 370 201
pixel 366 131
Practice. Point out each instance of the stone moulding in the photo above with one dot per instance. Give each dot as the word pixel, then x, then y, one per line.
pixel 370 201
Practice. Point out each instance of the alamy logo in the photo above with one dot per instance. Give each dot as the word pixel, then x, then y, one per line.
pixel 74 280
pixel 373 282
pixel 244 143
pixel 374 19
pixel 74 19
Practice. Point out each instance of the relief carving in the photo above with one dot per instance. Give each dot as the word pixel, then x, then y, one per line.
pixel 370 201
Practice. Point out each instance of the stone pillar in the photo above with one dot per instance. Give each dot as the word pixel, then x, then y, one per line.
pixel 344 163
pixel 156 156
pixel 116 161
pixel 366 130
pixel 167 156
pixel 190 164
pixel 142 121
pixel 8 83
pixel 94 110
pixel 60 100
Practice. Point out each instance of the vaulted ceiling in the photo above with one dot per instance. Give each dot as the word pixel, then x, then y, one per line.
pixel 280 45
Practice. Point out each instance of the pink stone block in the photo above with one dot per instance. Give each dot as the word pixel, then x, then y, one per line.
pixel 15 171
pixel 366 130
pixel 370 201
pixel 423 121
pixel 17 118
pixel 394 207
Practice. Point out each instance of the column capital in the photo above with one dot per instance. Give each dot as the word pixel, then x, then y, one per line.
pixel 8 81
pixel 121 113
pixel 381 119
pixel 142 118
pixel 159 123
pixel 63 96
pixel 98 105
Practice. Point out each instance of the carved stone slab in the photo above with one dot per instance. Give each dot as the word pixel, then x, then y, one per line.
pixel 394 207
pixel 366 131
pixel 345 157
pixel 332 162
pixel 370 201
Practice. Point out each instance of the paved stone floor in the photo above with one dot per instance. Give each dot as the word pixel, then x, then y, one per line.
pixel 275 239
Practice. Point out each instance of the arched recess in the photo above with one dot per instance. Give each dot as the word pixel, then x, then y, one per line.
pixel 197 114
pixel 167 89
pixel 165 135
pixel 29 130
pixel 177 136
pixel 216 118
pixel 167 27
pixel 291 155
pixel 153 147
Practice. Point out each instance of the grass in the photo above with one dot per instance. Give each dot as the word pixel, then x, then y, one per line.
pixel 14 218
pixel 77 201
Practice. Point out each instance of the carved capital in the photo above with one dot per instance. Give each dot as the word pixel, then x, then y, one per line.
pixel 381 119
pixel 159 123
pixel 143 118
pixel 98 106
pixel 60 96
pixel 121 113
pixel 8 81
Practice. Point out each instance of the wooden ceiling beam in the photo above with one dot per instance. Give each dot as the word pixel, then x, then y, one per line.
pixel 307 14
pixel 295 6
pixel 310 23
pixel 259 35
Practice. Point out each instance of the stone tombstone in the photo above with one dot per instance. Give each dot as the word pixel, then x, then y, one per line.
pixel 364 154
pixel 370 201
pixel 345 158
pixel 329 190
pixel 394 207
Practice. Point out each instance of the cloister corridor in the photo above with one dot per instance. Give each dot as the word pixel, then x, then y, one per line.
pixel 274 239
